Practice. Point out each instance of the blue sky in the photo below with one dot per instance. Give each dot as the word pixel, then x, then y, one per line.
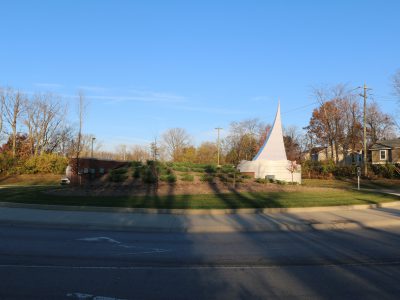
pixel 147 66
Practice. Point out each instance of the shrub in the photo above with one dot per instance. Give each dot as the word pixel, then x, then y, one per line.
pixel 148 175
pixel 136 164
pixel 45 163
pixel 210 169
pixel 181 168
pixel 187 177
pixel 386 171
pixel 245 176
pixel 118 175
pixel 206 178
pixel 136 172
pixel 228 169
pixel 262 180
pixel 345 171
pixel 223 177
pixel 281 182
pixel 171 178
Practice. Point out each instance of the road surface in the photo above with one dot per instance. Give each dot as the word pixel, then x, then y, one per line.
pixel 48 263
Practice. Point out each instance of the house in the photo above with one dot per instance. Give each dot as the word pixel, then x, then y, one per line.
pixel 386 152
pixel 352 157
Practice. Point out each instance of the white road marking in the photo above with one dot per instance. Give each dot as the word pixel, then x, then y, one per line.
pixel 90 296
pixel 100 239
pixel 141 250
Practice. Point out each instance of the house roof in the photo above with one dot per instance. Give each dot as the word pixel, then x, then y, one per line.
pixel 317 149
pixel 386 144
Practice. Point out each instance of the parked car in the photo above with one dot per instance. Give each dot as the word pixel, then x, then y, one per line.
pixel 65 181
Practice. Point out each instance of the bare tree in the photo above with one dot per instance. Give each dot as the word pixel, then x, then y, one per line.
pixel 121 152
pixel 175 140
pixel 396 86
pixel 81 114
pixel 43 118
pixel 13 104
pixel 396 83
pixel 292 168
pixel 139 153
pixel 2 104
pixel 244 140
pixel 63 141
pixel 380 125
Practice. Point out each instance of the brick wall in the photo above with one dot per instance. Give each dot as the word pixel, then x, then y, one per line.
pixel 92 168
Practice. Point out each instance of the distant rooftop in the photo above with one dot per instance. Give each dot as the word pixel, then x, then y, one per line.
pixel 393 143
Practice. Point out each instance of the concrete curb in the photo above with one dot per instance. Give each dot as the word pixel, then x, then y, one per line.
pixel 198 211
pixel 351 225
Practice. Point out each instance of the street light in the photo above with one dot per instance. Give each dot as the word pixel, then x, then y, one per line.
pixel 93 138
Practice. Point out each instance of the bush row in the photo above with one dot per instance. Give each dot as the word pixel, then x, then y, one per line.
pixel 44 163
pixel 325 169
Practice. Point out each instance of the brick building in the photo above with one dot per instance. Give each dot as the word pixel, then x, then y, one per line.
pixel 91 168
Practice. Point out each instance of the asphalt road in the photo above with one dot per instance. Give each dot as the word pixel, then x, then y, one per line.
pixel 45 263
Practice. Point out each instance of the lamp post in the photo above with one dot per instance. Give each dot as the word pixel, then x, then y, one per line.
pixel 218 129
pixel 93 138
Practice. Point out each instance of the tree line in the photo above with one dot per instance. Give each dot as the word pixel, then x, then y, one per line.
pixel 35 125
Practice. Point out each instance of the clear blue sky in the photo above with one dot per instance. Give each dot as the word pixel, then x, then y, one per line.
pixel 147 66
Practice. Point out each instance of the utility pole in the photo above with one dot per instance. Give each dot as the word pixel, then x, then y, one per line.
pixel 365 130
pixel 218 129
pixel 364 95
pixel 93 138
pixel 154 149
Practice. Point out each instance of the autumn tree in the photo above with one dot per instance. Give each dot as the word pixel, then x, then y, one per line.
pixel 2 104
pixel 207 153
pixel 22 150
pixel 188 154
pixel 327 125
pixel 292 140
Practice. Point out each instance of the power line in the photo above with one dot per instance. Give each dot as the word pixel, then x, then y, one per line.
pixel 301 107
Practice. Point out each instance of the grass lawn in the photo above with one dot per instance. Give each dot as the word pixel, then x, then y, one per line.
pixel 31 179
pixel 391 184
pixel 301 198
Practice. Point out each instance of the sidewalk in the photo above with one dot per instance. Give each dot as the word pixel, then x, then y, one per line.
pixel 327 218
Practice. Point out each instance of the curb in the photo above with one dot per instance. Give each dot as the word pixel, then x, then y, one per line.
pixel 282 227
pixel 198 211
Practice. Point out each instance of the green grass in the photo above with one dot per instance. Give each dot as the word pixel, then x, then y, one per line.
pixel 393 184
pixel 31 179
pixel 35 195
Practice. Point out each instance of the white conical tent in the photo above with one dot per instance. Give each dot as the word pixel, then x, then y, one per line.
pixel 273 148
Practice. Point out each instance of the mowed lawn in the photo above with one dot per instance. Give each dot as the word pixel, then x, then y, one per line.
pixel 304 197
